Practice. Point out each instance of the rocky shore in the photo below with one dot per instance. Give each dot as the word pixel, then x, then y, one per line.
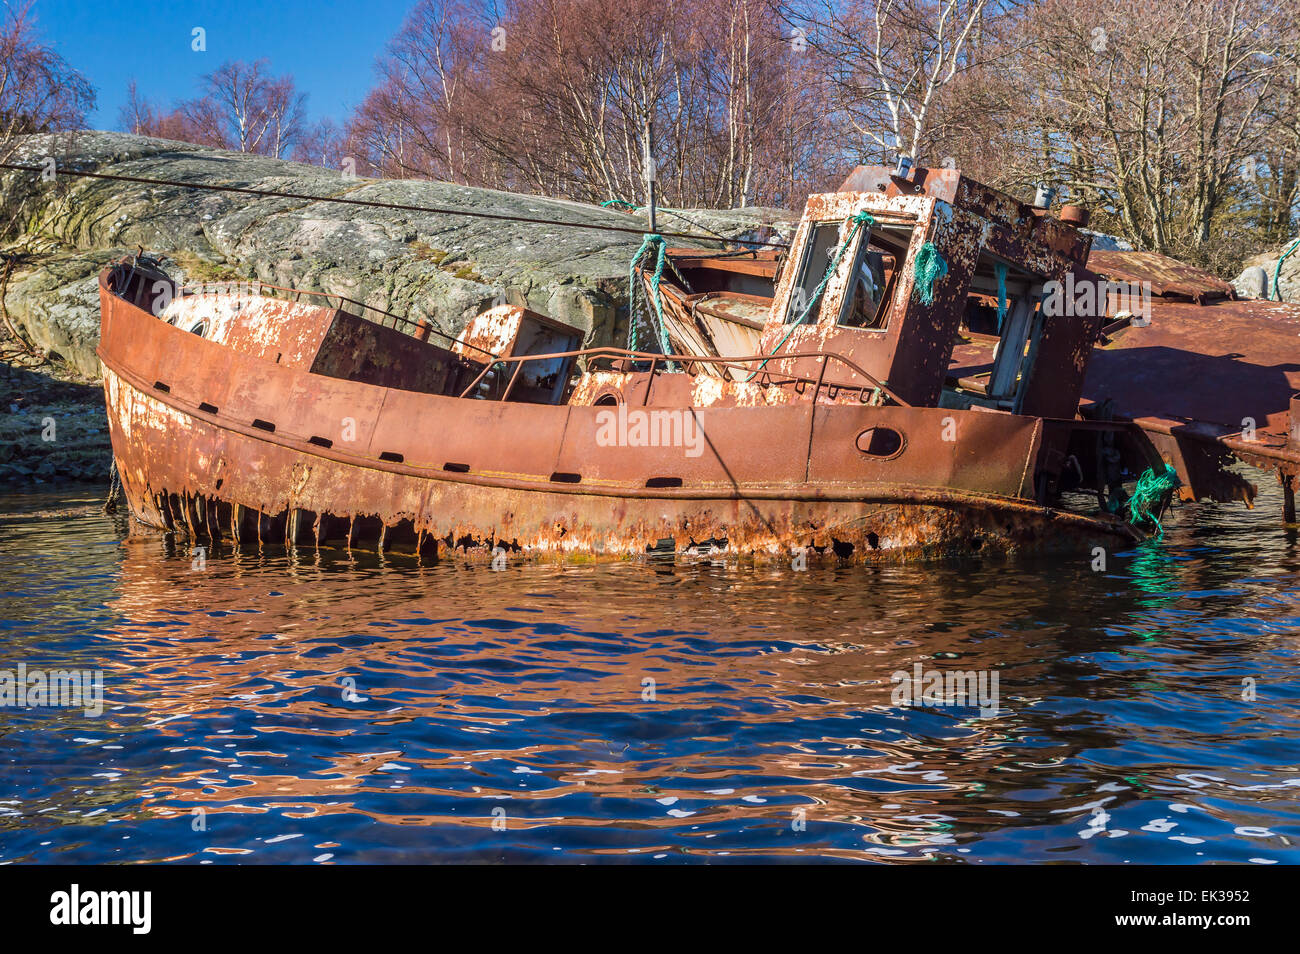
pixel 439 266
pixel 51 430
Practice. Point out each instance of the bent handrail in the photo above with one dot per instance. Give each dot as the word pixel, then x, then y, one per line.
pixel 740 362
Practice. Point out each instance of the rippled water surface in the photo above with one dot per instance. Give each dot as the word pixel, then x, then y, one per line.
pixel 304 707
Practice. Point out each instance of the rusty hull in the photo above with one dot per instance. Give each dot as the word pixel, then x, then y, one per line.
pixel 1209 384
pixel 231 446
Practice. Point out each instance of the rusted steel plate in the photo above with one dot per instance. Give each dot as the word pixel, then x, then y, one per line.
pixel 762 264
pixel 1216 366
pixel 283 332
pixel 1167 276
pixel 964 451
pixel 1205 469
pixel 1207 383
pixel 713 323
pixel 491 333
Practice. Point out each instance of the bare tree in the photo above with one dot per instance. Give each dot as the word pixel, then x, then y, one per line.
pixel 554 96
pixel 39 91
pixel 322 143
pixel 1275 172
pixel 200 124
pixel 413 119
pixel 889 60
pixel 1151 112
pixel 253 110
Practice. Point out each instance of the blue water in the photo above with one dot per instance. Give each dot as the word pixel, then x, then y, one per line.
pixel 304 707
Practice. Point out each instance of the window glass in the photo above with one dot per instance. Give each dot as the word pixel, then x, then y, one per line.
pixel 823 243
pixel 874 277
pixel 867 287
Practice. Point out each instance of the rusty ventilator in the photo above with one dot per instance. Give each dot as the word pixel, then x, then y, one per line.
pixel 262 418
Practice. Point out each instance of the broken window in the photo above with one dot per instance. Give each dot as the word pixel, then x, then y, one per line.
pixel 875 267
pixel 819 251
pixel 995 348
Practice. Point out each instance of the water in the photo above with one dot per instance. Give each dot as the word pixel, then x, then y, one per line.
pixel 323 708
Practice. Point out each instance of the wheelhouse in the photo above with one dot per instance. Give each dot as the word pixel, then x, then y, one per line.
pixel 935 285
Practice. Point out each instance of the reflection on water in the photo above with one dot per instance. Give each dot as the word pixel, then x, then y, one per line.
pixel 297 707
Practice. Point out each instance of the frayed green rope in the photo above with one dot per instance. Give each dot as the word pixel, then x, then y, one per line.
pixel 618 204
pixel 1000 269
pixel 636 290
pixel 1150 493
pixel 930 267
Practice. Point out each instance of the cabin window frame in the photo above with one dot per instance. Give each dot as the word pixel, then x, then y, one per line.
pixel 1024 346
pixel 884 311
pixel 807 256
pixel 1015 353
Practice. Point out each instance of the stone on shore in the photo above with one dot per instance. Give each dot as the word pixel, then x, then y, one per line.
pixel 1257 277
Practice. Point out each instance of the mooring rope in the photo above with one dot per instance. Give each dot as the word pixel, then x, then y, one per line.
pixel 636 290
pixel 1152 491
pixel 114 489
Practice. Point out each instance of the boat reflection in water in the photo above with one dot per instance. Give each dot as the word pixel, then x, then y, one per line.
pixel 291 705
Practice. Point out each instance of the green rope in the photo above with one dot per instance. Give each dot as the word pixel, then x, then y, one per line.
pixel 859 220
pixel 1151 492
pixel 636 291
pixel 1000 270
pixel 930 267
pixel 1277 272
pixel 618 204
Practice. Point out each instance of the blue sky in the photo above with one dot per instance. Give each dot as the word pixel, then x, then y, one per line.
pixel 329 46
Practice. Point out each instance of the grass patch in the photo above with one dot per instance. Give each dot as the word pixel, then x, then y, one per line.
pixel 426 253
pixel 201 270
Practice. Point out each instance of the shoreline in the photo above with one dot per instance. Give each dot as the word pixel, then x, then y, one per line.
pixel 53 428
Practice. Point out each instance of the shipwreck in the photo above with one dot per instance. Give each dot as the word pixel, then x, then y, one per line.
pixel 1179 369
pixel 895 386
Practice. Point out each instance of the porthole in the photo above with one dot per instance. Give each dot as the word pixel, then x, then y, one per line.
pixel 881 442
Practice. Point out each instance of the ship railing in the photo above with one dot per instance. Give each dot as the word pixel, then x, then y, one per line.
pixel 421 330
pixel 872 390
pixel 416 328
